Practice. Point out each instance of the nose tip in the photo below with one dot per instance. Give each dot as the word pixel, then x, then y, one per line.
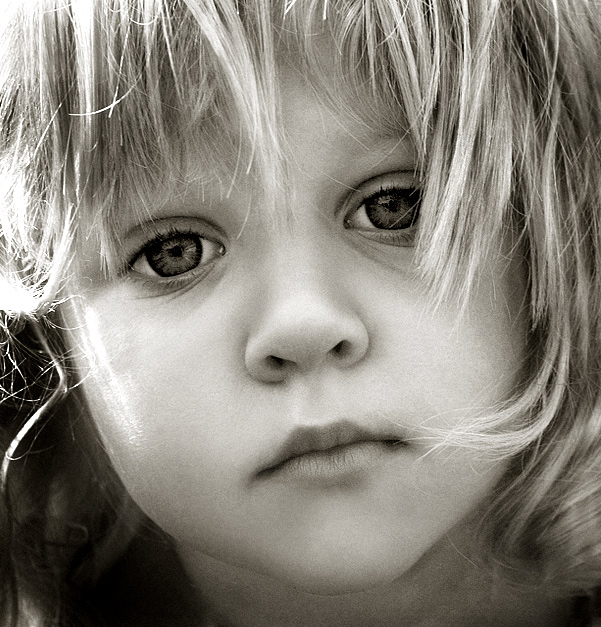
pixel 302 343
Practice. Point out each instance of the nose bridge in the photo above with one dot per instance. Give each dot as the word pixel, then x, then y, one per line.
pixel 299 254
pixel 305 317
pixel 299 284
pixel 296 262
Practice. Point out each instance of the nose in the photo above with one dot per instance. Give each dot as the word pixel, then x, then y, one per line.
pixel 304 326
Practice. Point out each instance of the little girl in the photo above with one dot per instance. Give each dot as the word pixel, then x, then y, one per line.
pixel 301 313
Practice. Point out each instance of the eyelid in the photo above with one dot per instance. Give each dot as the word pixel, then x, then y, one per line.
pixel 405 179
pixel 397 179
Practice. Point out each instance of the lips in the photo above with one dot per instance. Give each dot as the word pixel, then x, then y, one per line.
pixel 309 440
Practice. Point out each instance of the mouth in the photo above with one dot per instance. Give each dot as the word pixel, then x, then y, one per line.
pixel 331 451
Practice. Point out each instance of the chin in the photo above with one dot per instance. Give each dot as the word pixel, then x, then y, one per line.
pixel 340 587
pixel 334 579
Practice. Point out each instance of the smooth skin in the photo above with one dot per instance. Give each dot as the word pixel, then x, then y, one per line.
pixel 307 318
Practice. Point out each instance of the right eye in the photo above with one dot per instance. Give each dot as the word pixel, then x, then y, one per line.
pixel 175 253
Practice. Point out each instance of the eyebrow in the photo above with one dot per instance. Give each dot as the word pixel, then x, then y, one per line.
pixel 377 155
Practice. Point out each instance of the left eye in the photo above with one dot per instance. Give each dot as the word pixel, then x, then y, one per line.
pixel 386 207
pixel 175 254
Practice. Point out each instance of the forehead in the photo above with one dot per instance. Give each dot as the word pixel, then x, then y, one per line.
pixel 345 82
pixel 322 106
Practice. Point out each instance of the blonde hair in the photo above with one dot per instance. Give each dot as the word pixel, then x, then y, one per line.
pixel 101 101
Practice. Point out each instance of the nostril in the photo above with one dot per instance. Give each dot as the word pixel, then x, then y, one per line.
pixel 342 349
pixel 275 362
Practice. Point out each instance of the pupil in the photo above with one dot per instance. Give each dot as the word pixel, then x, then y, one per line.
pixel 175 255
pixel 397 209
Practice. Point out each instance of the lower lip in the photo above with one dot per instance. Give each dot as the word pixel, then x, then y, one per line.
pixel 339 462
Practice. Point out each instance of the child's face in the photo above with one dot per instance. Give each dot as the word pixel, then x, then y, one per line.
pixel 313 323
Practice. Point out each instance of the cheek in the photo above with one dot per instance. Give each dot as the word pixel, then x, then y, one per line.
pixel 443 367
pixel 468 369
pixel 155 397
pixel 469 361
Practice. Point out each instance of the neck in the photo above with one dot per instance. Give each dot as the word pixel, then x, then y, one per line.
pixel 444 588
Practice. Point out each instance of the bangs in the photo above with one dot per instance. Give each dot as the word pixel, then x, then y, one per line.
pixel 123 92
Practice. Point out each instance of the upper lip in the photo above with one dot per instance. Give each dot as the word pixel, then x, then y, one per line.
pixel 311 439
